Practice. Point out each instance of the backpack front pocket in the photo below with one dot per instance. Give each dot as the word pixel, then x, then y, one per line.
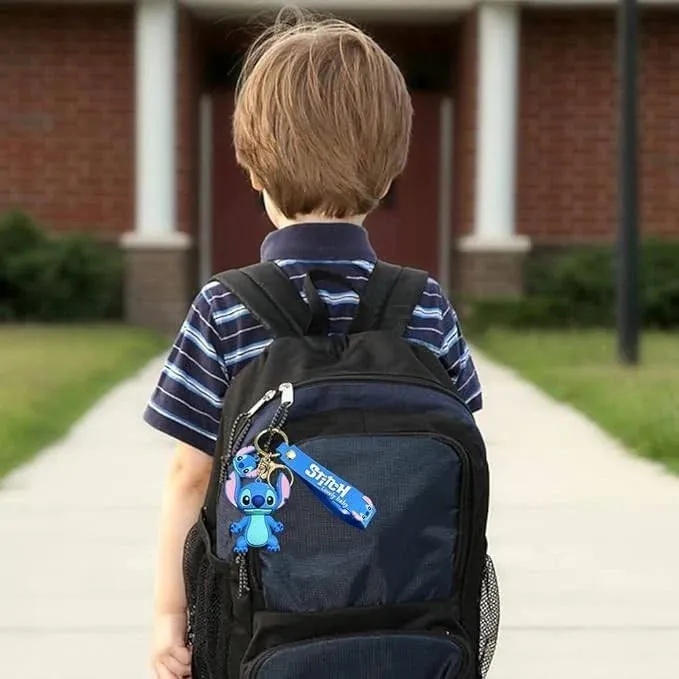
pixel 396 655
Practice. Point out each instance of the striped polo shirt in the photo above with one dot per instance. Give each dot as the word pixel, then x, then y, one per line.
pixel 220 336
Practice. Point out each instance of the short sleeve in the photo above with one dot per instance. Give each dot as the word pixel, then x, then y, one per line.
pixel 187 401
pixel 435 325
pixel 457 359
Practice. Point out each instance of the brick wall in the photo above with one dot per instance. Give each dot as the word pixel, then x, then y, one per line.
pixel 568 125
pixel 189 85
pixel 465 124
pixel 66 118
pixel 659 168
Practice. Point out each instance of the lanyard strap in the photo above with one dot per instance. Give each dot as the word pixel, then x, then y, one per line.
pixel 349 503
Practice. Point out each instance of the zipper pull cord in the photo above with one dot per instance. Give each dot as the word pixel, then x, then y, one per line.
pixel 280 417
pixel 242 423
pixel 237 435
pixel 239 431
pixel 190 632
pixel 243 580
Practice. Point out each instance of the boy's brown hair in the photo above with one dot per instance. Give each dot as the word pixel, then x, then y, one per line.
pixel 322 118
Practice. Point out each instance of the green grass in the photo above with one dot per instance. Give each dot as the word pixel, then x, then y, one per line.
pixel 50 375
pixel 639 406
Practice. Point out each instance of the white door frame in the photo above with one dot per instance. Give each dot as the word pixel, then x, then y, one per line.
pixel 445 214
pixel 205 261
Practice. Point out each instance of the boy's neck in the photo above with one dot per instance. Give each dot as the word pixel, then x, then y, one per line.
pixel 281 222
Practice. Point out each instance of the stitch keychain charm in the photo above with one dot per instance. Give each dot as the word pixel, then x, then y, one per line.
pixel 267 464
pixel 246 463
pixel 258 500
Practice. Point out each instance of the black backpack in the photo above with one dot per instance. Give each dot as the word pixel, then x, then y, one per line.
pixel 373 565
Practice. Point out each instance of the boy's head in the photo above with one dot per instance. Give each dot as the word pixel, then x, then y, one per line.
pixel 322 120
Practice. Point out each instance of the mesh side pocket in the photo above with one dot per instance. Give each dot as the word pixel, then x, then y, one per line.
pixel 209 602
pixel 489 615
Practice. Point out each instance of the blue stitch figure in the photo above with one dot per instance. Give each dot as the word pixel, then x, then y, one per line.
pixel 258 501
pixel 245 463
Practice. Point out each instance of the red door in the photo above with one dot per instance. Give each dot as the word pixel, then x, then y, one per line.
pixel 404 230
pixel 239 223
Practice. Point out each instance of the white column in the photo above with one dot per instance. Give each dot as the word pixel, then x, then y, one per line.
pixel 155 142
pixel 496 129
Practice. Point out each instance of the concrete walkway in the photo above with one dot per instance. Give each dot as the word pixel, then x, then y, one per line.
pixel 585 538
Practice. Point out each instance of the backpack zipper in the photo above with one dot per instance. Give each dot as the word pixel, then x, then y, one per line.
pixel 466 504
pixel 439 634
pixel 242 424
pixel 247 564
pixel 239 430
pixel 190 625
pixel 287 392
pixel 269 396
pixel 380 377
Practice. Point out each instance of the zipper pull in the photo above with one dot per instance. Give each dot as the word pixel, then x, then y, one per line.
pixel 243 578
pixel 267 398
pixel 287 394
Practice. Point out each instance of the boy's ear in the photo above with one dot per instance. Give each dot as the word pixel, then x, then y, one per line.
pixel 386 191
pixel 256 184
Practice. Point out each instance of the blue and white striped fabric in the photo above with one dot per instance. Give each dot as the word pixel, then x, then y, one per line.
pixel 220 337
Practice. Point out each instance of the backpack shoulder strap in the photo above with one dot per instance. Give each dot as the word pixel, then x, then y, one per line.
pixel 389 299
pixel 271 296
pixel 405 296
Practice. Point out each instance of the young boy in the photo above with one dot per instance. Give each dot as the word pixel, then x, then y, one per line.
pixel 322 127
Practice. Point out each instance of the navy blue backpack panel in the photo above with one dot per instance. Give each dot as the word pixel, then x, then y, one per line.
pixel 411 596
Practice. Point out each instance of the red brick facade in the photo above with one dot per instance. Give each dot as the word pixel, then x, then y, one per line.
pixel 464 167
pixel 67 116
pixel 568 125
pixel 67 119
pixel 189 84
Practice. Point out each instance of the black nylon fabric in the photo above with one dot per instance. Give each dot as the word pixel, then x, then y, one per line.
pixel 386 304
pixel 421 560
pixel 406 554
pixel 377 656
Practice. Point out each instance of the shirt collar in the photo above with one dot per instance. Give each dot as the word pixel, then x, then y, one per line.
pixel 318 242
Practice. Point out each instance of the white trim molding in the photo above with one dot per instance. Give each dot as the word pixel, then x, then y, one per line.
pixel 446 154
pixel 474 243
pixel 175 240
pixel 205 189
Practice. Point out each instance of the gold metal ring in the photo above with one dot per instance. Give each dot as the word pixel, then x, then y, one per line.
pixel 271 433
pixel 281 469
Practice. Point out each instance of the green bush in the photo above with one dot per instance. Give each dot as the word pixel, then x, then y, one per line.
pixel 19 233
pixel 576 289
pixel 45 278
pixel 660 280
